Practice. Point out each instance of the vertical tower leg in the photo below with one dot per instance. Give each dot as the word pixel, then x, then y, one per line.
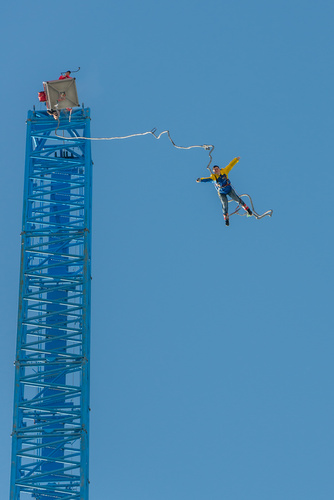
pixel 50 439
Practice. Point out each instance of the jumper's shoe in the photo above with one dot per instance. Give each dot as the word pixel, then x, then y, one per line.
pixel 227 220
pixel 248 210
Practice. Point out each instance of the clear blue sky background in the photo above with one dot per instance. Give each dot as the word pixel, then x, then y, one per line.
pixel 212 347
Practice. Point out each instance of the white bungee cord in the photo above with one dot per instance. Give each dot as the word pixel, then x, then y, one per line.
pixel 207 147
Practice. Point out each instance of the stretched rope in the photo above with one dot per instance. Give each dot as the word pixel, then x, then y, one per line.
pixel 207 147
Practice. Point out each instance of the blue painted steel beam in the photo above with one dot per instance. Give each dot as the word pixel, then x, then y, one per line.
pixel 50 439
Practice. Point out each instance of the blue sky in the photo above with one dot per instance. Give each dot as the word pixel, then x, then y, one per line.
pixel 211 365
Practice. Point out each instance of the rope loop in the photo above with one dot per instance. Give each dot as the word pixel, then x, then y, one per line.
pixel 256 215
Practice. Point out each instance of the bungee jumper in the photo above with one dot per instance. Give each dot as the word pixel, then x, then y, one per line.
pixel 224 188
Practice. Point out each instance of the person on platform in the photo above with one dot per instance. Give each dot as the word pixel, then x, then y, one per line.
pixel 65 75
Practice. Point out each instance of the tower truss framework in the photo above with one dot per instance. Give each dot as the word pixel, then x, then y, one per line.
pixel 50 439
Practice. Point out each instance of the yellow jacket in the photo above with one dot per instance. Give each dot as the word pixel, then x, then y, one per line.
pixel 223 171
pixel 221 181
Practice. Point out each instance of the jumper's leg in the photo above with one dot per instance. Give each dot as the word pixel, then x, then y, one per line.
pixel 237 198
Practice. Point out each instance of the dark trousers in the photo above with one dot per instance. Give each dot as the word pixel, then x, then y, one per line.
pixel 232 194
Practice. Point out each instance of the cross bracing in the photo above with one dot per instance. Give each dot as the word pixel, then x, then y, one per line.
pixel 51 401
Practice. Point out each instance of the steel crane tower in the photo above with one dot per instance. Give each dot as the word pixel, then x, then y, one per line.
pixel 50 439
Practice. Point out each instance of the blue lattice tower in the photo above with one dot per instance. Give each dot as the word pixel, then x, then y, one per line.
pixel 50 440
